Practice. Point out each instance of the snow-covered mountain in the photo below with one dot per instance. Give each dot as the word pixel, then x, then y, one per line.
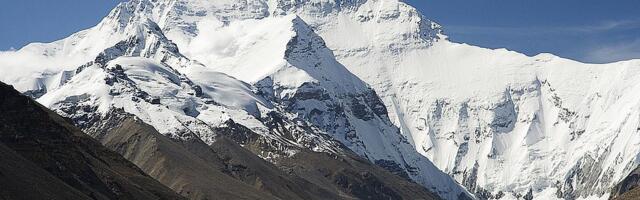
pixel 142 72
pixel 374 76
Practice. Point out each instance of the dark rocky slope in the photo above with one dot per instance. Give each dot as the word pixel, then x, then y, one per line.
pixel 22 179
pixel 228 170
pixel 197 171
pixel 353 175
pixel 629 195
pixel 628 187
pixel 344 173
pixel 51 159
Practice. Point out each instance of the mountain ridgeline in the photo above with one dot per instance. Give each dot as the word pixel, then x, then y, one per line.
pixel 311 99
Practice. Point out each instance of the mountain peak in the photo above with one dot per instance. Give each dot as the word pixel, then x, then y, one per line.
pixel 126 13
pixel 285 83
pixel 373 76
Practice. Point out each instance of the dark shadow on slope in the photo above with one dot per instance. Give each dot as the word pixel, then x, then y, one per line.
pixel 628 188
pixel 345 174
pixel 222 171
pixel 169 162
pixel 52 144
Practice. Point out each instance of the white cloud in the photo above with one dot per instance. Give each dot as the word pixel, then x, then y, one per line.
pixel 596 43
pixel 601 27
pixel 615 52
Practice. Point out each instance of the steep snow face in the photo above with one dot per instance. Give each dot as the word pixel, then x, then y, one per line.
pixel 145 75
pixel 282 48
pixel 291 65
pixel 248 49
pixel 140 86
pixel 501 123
pixel 173 104
pixel 296 78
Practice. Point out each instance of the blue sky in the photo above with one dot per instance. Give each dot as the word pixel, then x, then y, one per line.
pixel 26 21
pixel 587 30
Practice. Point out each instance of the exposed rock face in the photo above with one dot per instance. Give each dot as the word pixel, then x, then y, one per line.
pixel 189 167
pixel 629 195
pixel 628 187
pixel 20 178
pixel 199 171
pixel 60 157
pixel 244 165
pixel 354 176
pixel 344 174
pixel 169 162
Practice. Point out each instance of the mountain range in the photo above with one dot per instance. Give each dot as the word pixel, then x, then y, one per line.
pixel 318 99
